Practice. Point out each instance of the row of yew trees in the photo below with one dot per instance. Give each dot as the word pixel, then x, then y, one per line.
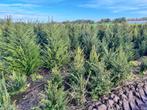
pixel 85 60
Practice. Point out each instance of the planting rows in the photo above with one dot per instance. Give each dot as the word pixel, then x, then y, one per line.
pixel 77 62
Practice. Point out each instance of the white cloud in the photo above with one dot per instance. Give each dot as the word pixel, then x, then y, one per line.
pixel 18 5
pixel 41 1
pixel 117 9
pixel 96 3
pixel 17 8
pixel 117 6
pixel 142 12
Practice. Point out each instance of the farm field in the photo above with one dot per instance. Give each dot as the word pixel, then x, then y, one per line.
pixel 67 66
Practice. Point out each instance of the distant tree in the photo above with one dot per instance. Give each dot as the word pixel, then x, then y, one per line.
pixel 144 18
pixel 120 20
pixel 106 20
pixel 83 21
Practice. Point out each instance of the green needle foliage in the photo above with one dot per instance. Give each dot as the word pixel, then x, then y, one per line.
pixel 78 82
pixel 41 35
pixel 74 34
pixel 56 52
pixel 21 54
pixel 144 63
pixel 16 83
pixel 5 101
pixel 55 98
pixel 92 58
pixel 7 29
pixel 120 67
pixel 78 89
pixel 87 38
pixel 79 61
pixel 100 83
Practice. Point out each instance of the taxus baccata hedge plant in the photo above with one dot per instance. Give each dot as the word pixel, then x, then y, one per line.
pixel 20 52
pixel 56 51
pixel 87 60
pixel 5 100
pixel 55 97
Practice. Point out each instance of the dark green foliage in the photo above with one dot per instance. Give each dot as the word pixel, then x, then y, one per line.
pixel 120 20
pixel 55 98
pixel 87 39
pixel 92 57
pixel 7 29
pixel 20 54
pixel 74 34
pixel 56 52
pixel 120 69
pixel 100 83
pixel 143 42
pixel 78 82
pixel 106 20
pixel 144 63
pixel 5 101
pixel 15 83
pixel 78 64
pixel 41 35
